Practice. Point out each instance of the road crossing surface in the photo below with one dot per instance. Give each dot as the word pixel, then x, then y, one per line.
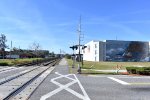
pixel 58 84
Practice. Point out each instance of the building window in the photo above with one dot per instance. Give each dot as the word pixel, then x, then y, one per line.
pixel 95 52
pixel 95 45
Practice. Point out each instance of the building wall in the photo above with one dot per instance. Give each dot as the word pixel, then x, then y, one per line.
pixel 115 50
pixel 91 53
pixel 126 50
pixel 102 51
pixel 95 51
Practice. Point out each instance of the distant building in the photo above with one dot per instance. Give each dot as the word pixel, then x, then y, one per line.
pixel 116 50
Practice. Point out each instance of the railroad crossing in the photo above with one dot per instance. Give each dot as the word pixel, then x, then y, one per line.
pixel 54 82
pixel 20 82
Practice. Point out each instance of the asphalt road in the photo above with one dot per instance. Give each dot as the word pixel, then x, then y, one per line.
pixel 60 85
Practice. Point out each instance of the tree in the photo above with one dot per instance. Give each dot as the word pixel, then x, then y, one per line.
pixel 35 46
pixel 3 45
pixel 17 51
pixel 43 53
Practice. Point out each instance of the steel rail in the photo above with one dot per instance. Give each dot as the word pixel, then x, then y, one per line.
pixel 24 85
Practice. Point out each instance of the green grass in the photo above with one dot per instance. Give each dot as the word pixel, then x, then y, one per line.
pixel 88 71
pixel 69 62
pixel 112 65
pixel 70 66
pixel 11 62
pixel 106 66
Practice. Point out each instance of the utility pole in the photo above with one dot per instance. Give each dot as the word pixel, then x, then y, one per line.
pixel 79 36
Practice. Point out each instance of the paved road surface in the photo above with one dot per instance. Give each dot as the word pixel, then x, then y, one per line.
pixel 60 85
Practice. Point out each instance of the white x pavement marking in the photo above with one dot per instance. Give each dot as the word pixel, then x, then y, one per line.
pixel 66 87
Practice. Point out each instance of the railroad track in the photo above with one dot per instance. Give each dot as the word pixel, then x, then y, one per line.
pixel 21 85
pixel 7 68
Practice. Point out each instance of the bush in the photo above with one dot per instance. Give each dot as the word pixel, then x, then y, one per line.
pixel 68 56
pixel 138 70
pixel 145 72
pixel 131 70
pixel 4 64
pixel 15 62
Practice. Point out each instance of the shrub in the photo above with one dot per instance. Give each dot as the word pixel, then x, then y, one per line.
pixel 4 64
pixel 68 56
pixel 15 62
pixel 131 70
pixel 138 70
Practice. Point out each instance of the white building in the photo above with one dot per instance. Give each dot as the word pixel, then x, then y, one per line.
pixel 115 50
pixel 95 51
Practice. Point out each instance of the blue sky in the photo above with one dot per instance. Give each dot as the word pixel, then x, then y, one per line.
pixel 54 23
